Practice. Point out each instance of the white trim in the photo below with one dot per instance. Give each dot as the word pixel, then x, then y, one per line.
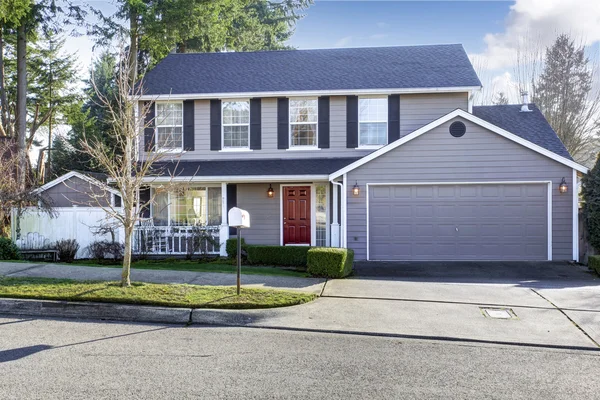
pixel 79 175
pixel 308 93
pixel 369 147
pixel 344 230
pixel 313 215
pixel 575 217
pixel 156 126
pixel 235 150
pixel 303 148
pixel 548 209
pixel 235 178
pixel 468 117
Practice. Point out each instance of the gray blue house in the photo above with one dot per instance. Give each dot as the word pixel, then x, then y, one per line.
pixel 376 149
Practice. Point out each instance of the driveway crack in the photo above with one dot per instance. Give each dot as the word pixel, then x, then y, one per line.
pixel 25 269
pixel 569 318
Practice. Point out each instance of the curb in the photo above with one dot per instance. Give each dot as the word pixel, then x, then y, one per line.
pixel 89 310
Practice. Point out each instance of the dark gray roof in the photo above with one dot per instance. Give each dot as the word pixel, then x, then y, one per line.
pixel 300 70
pixel 311 166
pixel 531 126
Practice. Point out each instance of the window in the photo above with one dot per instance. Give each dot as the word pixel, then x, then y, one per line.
pixel 321 217
pixel 303 122
pixel 236 124
pixel 372 121
pixel 169 126
pixel 195 206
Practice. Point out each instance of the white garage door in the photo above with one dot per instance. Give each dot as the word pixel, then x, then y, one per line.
pixel 458 222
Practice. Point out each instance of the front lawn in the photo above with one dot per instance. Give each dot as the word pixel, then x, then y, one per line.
pixel 169 295
pixel 199 266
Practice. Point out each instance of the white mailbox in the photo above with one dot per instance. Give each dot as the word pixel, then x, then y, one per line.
pixel 239 218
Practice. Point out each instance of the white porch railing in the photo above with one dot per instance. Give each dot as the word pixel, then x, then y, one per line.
pixel 165 240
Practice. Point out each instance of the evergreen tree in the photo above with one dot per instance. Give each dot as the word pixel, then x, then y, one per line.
pixel 591 196
pixel 563 94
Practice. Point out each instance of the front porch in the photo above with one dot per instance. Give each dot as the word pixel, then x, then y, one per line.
pixel 191 218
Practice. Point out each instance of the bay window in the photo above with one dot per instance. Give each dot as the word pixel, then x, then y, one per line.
pixel 372 121
pixel 303 122
pixel 236 124
pixel 169 126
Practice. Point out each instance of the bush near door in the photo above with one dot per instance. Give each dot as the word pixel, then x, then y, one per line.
pixel 289 256
pixel 330 262
pixel 9 250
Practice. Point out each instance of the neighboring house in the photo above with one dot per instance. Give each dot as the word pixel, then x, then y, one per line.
pixel 77 200
pixel 376 149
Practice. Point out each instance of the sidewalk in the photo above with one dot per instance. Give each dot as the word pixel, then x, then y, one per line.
pixel 18 269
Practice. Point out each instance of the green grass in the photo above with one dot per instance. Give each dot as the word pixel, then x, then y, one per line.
pixel 195 266
pixel 176 295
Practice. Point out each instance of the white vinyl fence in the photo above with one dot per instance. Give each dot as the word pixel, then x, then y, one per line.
pixel 78 223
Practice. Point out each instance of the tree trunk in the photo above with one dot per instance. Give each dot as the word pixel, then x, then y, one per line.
pixel 133 46
pixel 126 273
pixel 22 103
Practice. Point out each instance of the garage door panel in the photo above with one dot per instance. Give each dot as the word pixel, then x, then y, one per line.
pixel 458 222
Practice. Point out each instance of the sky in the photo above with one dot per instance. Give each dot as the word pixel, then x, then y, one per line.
pixel 490 31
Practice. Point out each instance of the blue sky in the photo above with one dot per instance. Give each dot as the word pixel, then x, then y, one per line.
pixel 491 31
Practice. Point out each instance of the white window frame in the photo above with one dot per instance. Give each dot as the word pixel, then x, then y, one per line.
pixel 372 146
pixel 290 123
pixel 230 148
pixel 171 199
pixel 156 126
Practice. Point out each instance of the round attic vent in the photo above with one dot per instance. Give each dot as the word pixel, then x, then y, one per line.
pixel 457 129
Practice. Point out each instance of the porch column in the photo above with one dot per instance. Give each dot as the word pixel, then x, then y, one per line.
pixel 335 225
pixel 344 228
pixel 224 229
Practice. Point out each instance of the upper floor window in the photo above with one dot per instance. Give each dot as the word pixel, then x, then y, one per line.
pixel 169 125
pixel 372 121
pixel 303 122
pixel 236 124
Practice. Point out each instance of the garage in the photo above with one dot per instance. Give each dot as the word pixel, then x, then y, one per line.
pixel 466 221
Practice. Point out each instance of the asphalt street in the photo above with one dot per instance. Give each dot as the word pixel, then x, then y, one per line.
pixel 61 359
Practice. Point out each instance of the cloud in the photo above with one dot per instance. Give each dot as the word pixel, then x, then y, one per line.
pixel 345 41
pixel 383 25
pixel 538 22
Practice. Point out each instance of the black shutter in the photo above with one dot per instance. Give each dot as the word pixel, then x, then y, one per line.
pixel 215 124
pixel 231 202
pixel 149 125
pixel 255 124
pixel 393 117
pixel 352 122
pixel 144 198
pixel 283 116
pixel 188 125
pixel 324 122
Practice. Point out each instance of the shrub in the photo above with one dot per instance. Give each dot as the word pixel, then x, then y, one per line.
pixel 103 249
pixel 294 256
pixel 231 247
pixel 594 263
pixel 330 262
pixel 591 196
pixel 67 249
pixel 9 250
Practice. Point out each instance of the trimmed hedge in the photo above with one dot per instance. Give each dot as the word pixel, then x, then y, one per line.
pixel 231 247
pixel 594 263
pixel 293 256
pixel 330 262
pixel 9 250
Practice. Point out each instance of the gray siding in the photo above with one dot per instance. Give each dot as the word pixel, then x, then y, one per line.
pixel 417 110
pixel 264 213
pixel 480 155
pixel 74 192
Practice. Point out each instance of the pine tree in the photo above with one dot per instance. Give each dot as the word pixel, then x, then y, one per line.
pixel 591 196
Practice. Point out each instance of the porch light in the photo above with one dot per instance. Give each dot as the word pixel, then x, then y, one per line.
pixel 563 187
pixel 270 191
pixel 356 189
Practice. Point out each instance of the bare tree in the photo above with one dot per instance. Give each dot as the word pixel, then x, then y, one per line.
pixel 126 171
pixel 500 99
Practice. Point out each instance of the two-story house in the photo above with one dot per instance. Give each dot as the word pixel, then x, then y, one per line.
pixel 376 149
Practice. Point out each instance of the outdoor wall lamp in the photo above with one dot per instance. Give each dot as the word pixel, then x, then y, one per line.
pixel 563 188
pixel 356 189
pixel 270 191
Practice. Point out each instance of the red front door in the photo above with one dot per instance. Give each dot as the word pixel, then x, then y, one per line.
pixel 296 215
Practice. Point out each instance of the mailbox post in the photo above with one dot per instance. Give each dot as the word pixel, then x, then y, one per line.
pixel 239 219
